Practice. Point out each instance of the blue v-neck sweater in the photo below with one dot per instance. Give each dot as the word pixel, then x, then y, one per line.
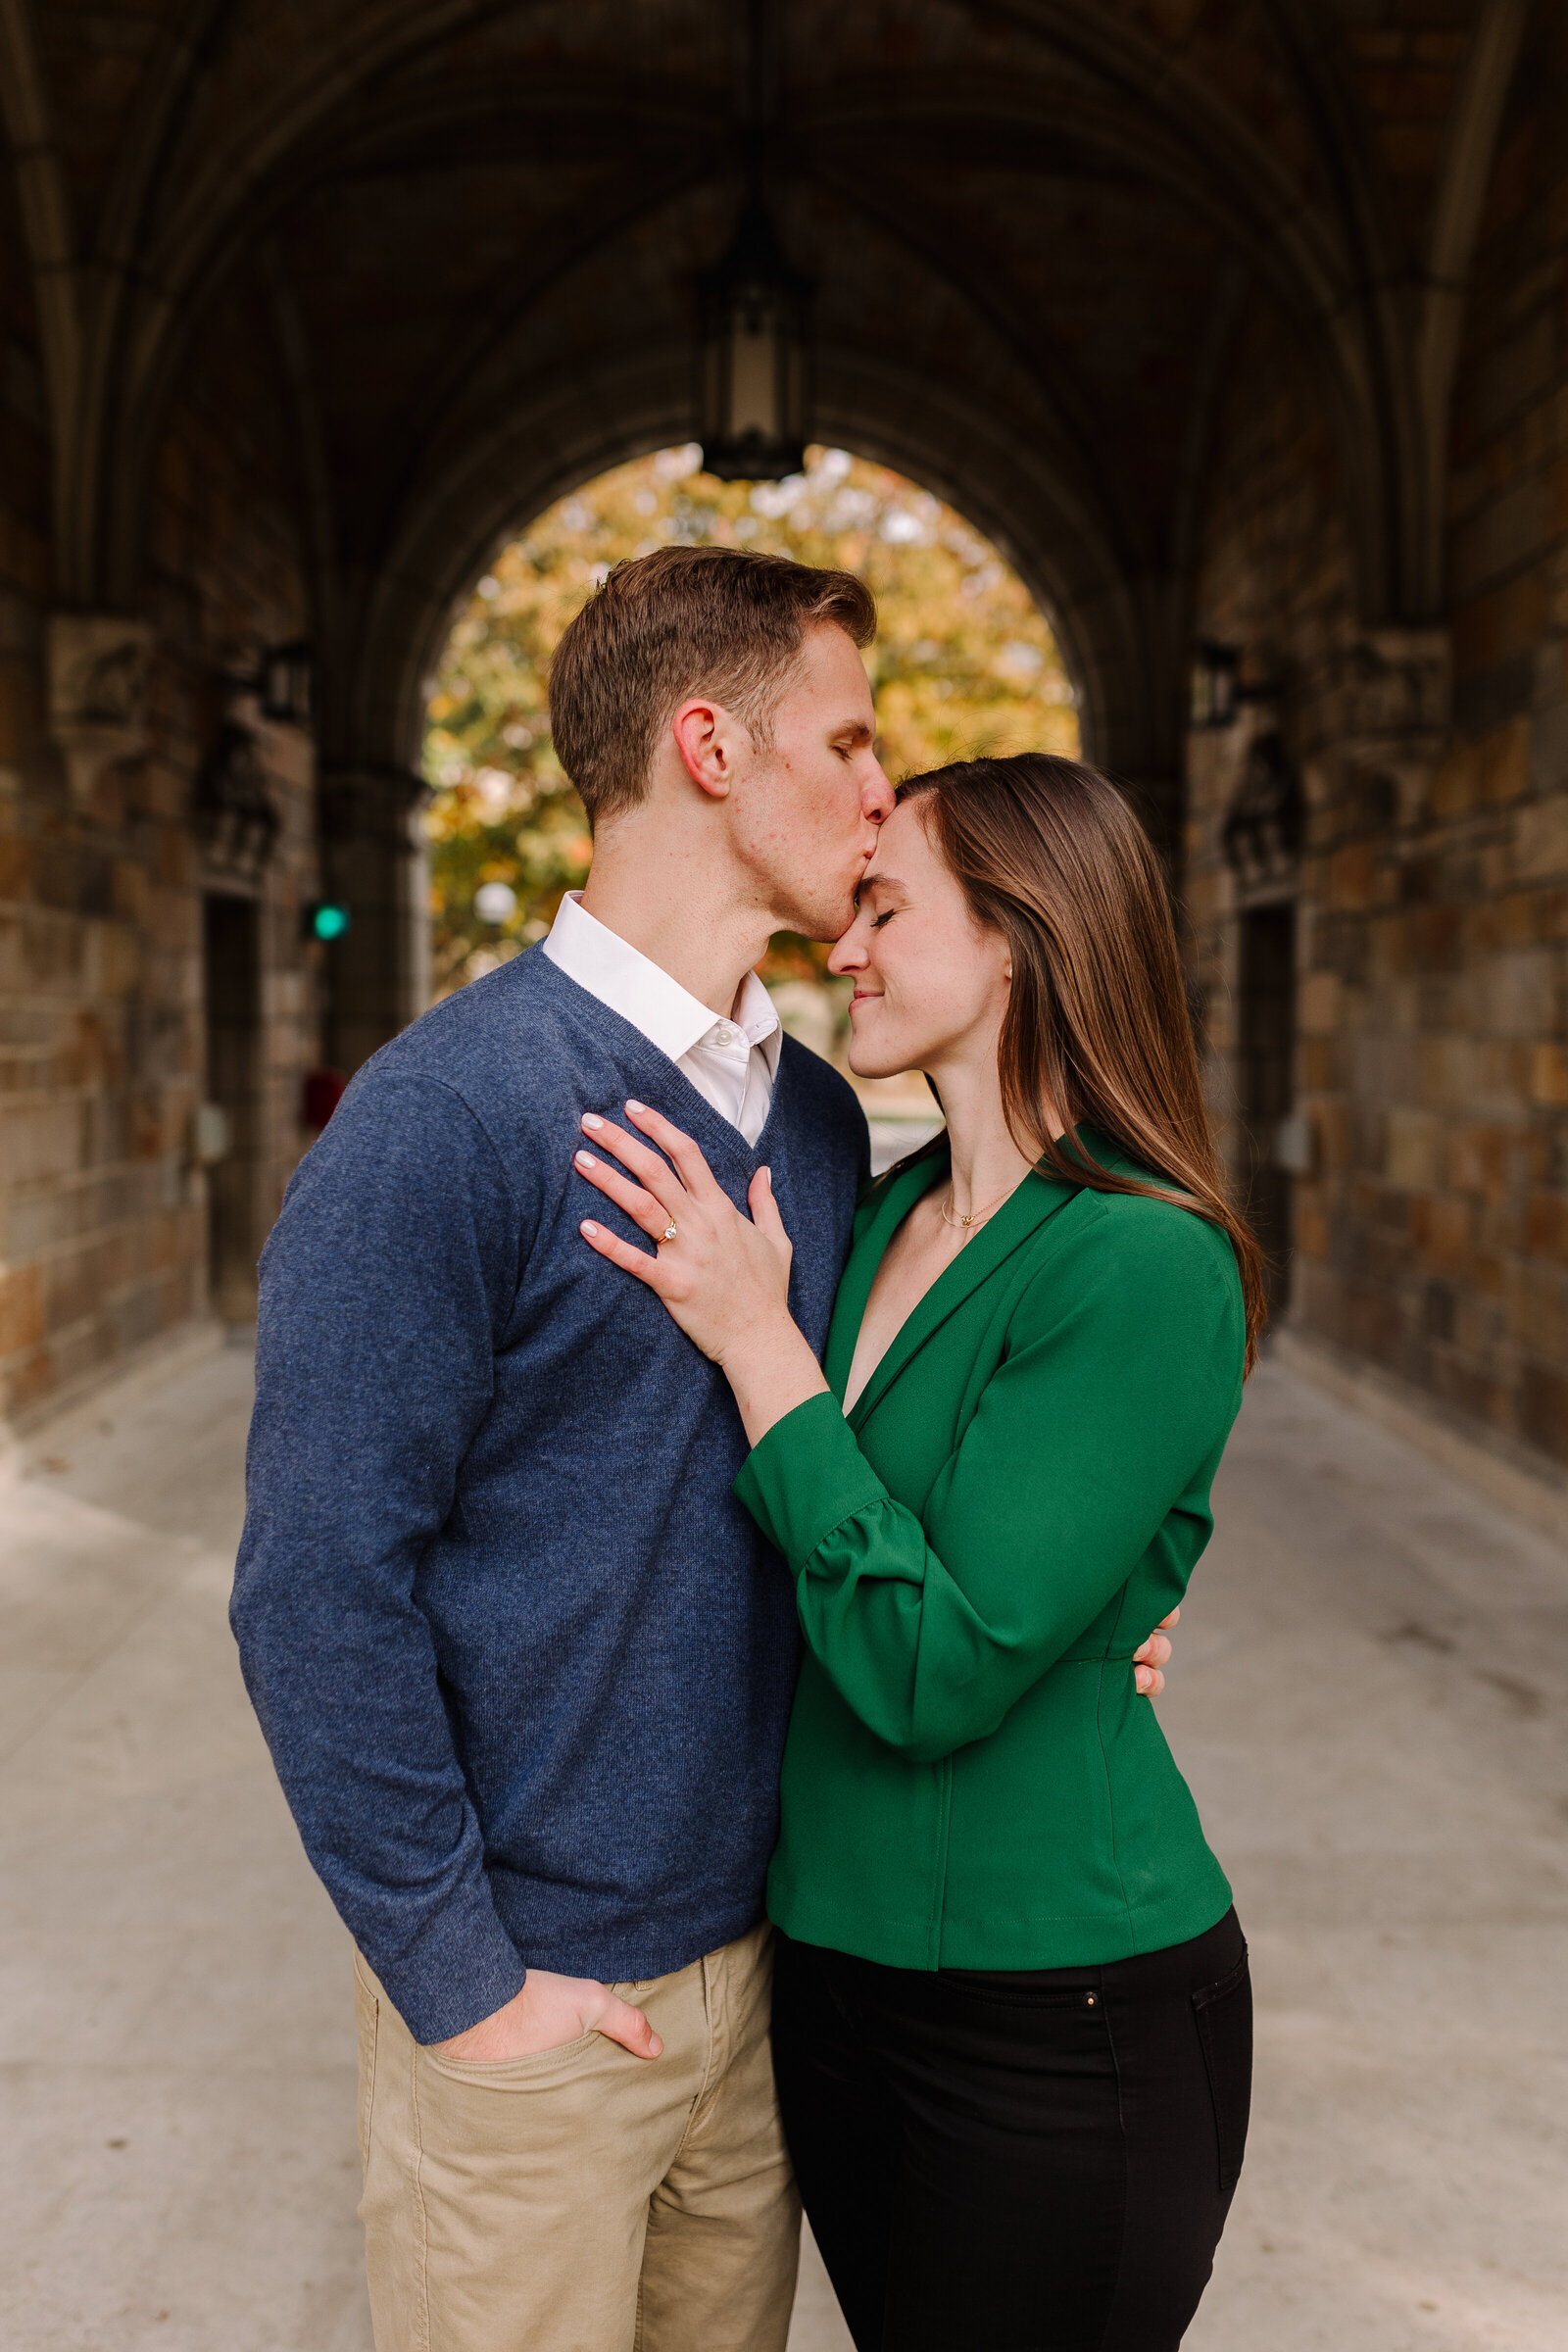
pixel 524 1661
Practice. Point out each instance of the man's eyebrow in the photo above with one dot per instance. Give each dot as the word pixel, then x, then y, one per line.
pixel 858 728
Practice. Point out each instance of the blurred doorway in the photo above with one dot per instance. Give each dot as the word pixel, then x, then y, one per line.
pixel 1267 1081
pixel 231 969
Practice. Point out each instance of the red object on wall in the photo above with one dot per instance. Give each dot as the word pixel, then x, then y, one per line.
pixel 323 1092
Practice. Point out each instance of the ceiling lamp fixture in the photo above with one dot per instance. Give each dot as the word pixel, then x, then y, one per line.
pixel 753 341
pixel 753 357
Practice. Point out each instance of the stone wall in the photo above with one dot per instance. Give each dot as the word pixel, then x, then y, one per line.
pixel 38 1130
pixel 1431 889
pixel 105 1234
pixel 1483 1160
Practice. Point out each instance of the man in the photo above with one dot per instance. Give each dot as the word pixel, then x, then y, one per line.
pixel 523 1663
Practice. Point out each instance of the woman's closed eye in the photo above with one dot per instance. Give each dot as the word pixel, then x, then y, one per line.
pixel 878 921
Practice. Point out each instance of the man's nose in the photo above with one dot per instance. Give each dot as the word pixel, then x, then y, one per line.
pixel 878 800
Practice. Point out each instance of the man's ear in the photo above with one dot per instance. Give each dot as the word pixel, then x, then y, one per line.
pixel 710 741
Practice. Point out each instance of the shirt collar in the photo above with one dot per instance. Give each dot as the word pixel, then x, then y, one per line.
pixel 643 993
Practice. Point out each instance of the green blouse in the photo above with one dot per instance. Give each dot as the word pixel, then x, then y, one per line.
pixel 1017 1497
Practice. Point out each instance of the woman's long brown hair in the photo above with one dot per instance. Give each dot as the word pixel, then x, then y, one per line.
pixel 1048 854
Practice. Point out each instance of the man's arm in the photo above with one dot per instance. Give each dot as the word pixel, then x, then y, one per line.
pixel 384 1284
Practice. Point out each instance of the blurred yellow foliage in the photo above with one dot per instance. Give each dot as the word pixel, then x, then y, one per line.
pixel 963 664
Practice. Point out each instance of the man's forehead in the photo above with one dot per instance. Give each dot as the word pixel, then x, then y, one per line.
pixel 831 666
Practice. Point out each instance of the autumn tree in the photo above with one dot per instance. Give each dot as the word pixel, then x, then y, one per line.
pixel 963 664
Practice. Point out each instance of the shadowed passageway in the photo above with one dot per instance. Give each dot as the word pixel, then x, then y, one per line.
pixel 1236 325
pixel 1367 1698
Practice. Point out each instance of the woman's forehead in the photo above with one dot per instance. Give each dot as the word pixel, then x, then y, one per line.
pixel 901 845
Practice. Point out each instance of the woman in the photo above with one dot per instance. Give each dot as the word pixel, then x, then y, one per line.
pixel 1013 2020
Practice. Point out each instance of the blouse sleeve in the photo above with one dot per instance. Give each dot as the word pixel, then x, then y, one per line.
pixel 1119 1381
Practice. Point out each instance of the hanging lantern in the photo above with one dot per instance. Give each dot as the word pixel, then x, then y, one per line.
pixel 754 359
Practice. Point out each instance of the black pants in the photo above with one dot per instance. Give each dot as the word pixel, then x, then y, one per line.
pixel 1035 2162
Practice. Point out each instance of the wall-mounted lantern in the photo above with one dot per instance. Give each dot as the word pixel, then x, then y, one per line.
pixel 753 357
pixel 1263 835
pixel 236 820
pixel 1215 679
pixel 282 683
pixel 287 675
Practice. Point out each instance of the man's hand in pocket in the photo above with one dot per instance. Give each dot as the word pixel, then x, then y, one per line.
pixel 549 2010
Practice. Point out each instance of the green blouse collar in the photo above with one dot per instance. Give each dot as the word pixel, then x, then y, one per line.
pixel 1038 1197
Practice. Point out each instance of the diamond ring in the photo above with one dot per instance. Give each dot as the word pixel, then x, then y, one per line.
pixel 669 1231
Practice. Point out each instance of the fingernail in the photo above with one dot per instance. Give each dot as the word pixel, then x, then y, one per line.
pixel 588 1227
pixel 637 1110
pixel 586 1159
pixel 655 2049
pixel 592 1123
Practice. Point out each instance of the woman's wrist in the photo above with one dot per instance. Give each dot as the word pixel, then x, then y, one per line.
pixel 771 1369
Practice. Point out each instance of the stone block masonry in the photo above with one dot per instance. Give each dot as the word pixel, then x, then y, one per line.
pixel 1431 892
pixel 104 1053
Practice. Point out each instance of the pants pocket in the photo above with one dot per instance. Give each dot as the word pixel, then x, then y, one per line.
pixel 514 2074
pixel 1224 2014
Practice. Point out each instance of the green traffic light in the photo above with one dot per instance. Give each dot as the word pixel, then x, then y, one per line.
pixel 329 920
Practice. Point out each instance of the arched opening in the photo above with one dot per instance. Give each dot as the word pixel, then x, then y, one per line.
pixel 965 663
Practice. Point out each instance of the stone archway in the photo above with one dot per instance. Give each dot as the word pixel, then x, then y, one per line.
pixel 1180 303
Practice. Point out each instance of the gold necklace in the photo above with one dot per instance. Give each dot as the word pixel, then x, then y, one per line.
pixel 976 1216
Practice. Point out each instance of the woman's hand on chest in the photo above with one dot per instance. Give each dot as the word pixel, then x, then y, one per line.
pixel 723 1277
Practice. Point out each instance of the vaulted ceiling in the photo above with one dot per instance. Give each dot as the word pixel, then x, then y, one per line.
pixel 1036 227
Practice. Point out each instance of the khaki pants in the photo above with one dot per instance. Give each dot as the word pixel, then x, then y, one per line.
pixel 583 2200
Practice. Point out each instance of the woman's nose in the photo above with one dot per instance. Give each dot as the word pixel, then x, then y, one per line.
pixel 848 954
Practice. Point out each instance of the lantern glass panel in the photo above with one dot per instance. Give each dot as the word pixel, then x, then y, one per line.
pixel 754 404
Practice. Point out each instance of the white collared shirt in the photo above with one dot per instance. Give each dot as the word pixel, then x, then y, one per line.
pixel 731 1062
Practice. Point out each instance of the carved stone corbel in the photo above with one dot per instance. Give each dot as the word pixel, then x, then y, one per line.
pixel 98 672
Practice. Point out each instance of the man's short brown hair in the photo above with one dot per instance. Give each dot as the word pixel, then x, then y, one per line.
pixel 714 620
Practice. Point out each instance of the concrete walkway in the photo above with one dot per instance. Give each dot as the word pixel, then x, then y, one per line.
pixel 1368 1698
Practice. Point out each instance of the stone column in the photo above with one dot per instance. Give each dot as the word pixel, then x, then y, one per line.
pixel 372 862
pixel 1381 996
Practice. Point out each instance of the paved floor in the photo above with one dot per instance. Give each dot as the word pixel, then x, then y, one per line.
pixel 1369 1699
